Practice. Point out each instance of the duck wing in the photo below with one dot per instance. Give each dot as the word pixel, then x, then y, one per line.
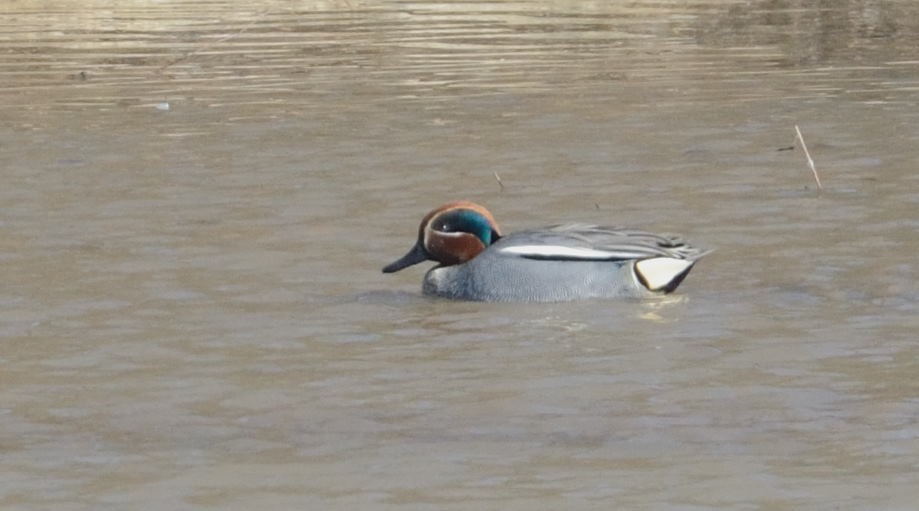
pixel 584 242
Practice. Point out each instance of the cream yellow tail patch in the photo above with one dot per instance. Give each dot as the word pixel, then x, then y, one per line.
pixel 657 273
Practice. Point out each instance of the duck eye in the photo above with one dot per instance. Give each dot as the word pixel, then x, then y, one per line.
pixel 462 221
pixel 446 226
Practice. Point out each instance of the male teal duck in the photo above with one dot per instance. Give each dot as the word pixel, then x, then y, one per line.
pixel 550 264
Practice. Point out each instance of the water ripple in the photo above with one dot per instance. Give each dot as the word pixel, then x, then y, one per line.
pixel 106 54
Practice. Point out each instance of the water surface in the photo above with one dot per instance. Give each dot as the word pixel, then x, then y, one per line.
pixel 198 197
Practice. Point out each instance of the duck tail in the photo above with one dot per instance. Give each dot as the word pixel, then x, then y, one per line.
pixel 664 274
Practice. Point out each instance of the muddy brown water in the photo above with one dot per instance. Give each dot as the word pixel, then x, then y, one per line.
pixel 197 199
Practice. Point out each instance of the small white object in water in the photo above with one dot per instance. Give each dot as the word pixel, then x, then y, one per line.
pixel 163 107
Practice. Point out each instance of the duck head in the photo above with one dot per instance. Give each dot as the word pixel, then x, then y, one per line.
pixel 451 234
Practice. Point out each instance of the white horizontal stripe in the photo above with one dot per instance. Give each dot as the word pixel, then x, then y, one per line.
pixel 563 251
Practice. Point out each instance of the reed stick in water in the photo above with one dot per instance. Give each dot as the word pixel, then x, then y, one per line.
pixel 810 161
pixel 498 178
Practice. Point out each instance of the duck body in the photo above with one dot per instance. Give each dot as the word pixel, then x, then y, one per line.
pixel 551 264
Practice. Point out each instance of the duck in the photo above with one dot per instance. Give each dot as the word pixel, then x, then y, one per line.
pixel 476 262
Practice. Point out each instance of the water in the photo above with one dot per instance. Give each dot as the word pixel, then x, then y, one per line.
pixel 198 197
